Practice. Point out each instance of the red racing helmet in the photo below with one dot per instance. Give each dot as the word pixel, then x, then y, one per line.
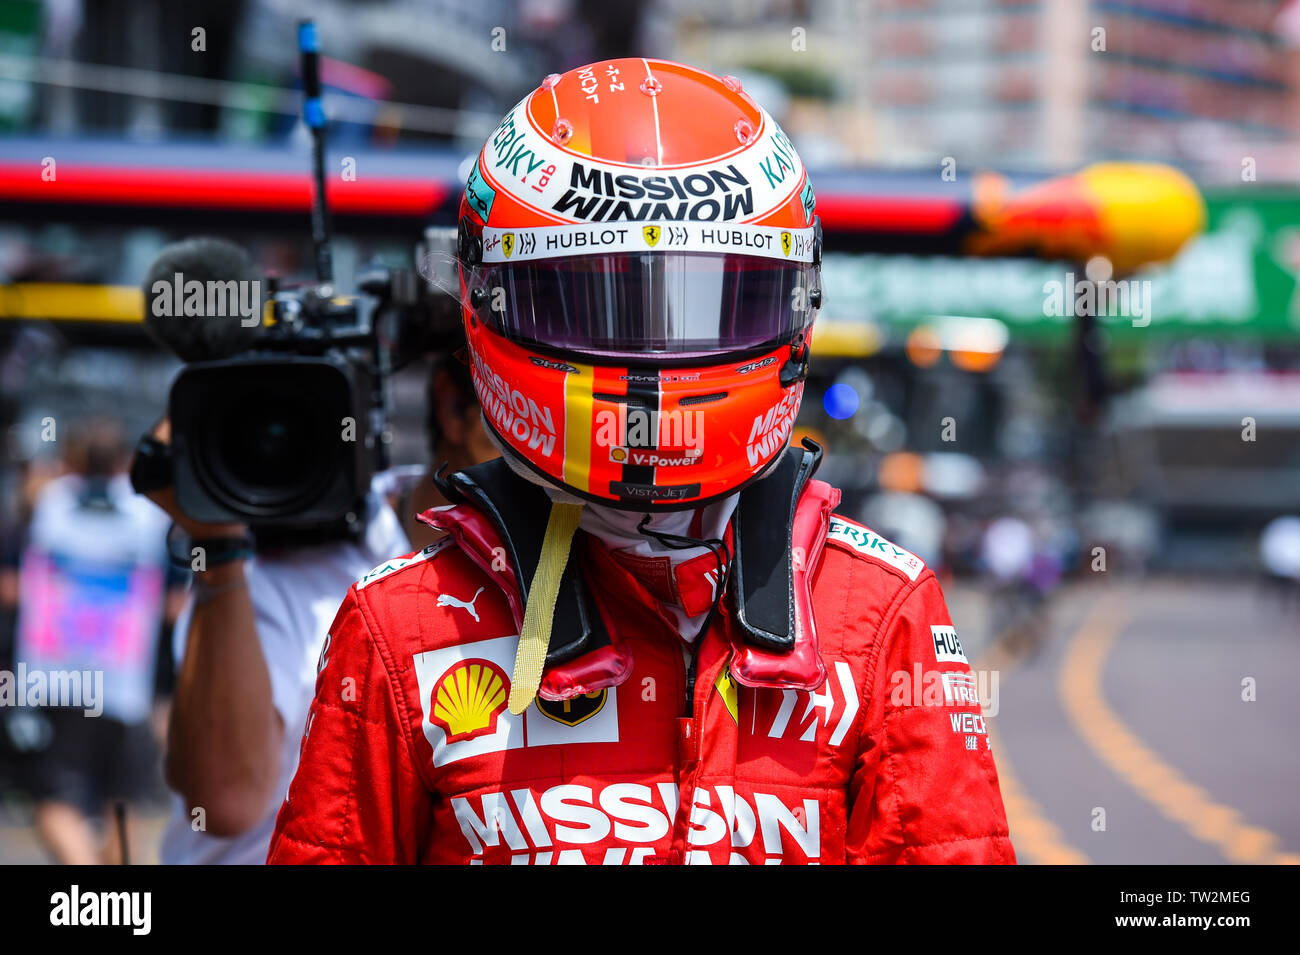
pixel 640 270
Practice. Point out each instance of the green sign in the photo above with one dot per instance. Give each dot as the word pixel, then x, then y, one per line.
pixel 1239 278
pixel 20 36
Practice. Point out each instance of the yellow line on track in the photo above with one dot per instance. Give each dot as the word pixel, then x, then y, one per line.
pixel 1172 794
pixel 1034 835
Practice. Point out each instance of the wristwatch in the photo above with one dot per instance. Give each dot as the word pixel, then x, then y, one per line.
pixel 216 550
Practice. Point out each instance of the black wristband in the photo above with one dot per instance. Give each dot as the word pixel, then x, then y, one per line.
pixel 216 550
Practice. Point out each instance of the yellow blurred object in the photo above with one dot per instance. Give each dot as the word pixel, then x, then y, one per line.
pixel 1147 210
pixel 72 302
pixel 1132 213
pixel 68 301
pixel 841 339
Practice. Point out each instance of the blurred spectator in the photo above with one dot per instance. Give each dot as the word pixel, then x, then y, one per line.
pixel 1008 549
pixel 1026 565
pixel 90 606
pixel 903 513
pixel 911 520
pixel 28 476
pixel 1279 553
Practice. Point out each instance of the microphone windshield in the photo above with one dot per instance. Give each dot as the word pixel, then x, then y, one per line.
pixel 203 299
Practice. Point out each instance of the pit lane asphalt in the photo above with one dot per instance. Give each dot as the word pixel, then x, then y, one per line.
pixel 1185 770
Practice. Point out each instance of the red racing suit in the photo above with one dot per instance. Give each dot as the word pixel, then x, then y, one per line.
pixel 411 755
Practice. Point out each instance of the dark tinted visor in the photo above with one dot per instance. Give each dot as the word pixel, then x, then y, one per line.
pixel 628 303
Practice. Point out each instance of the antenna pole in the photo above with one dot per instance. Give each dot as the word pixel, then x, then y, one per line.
pixel 313 114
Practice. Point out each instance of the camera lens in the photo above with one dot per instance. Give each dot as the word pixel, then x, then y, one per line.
pixel 271 440
pixel 269 446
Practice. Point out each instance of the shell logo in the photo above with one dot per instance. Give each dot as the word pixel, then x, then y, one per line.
pixel 468 698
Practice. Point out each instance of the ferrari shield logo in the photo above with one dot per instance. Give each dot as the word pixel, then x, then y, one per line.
pixel 508 243
pixel 574 711
pixel 785 243
pixel 651 234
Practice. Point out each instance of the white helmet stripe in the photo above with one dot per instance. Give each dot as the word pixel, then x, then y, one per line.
pixel 734 238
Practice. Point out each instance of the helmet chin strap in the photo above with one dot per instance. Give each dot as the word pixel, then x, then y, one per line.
pixel 539 613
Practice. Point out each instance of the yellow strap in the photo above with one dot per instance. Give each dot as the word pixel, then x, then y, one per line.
pixel 540 612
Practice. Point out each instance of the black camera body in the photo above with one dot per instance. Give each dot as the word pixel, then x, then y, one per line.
pixel 269 440
pixel 289 433
pixel 281 426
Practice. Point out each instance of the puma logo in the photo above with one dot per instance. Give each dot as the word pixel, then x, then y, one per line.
pixel 447 600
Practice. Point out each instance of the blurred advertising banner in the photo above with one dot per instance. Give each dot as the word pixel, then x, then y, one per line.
pixel 1238 278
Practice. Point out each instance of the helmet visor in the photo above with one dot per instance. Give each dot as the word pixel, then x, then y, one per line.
pixel 638 304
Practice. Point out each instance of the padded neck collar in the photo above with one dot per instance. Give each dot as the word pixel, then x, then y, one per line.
pixel 779 528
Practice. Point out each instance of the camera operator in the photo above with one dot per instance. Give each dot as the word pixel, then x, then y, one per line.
pixel 248 642
pixel 246 647
pixel 456 436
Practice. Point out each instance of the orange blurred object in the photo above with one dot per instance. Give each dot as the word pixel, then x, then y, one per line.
pixel 902 471
pixel 1133 213
pixel 924 346
pixel 975 361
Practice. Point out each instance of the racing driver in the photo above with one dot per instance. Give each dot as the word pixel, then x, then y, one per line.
pixel 646 638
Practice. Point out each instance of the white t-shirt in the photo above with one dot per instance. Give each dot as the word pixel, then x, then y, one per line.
pixel 91 591
pixel 295 597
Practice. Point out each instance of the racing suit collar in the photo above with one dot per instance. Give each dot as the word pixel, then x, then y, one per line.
pixel 778 528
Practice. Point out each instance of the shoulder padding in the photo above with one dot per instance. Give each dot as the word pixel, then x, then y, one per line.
pixel 396 564
pixel 863 542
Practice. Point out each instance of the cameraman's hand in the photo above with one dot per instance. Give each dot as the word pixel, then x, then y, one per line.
pixel 224 733
pixel 166 499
